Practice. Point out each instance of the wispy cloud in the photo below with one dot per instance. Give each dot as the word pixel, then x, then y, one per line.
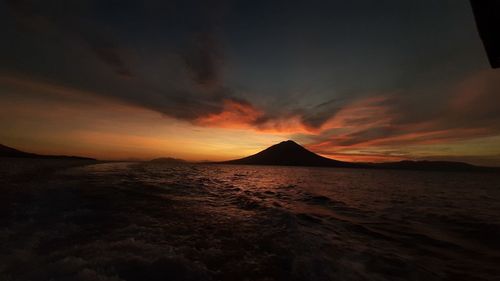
pixel 382 122
pixel 67 20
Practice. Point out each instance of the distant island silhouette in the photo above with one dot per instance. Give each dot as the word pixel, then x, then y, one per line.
pixel 290 153
pixel 6 151
pixel 287 153
pixel 168 160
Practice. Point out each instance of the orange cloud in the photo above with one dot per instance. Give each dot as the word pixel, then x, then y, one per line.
pixel 359 114
pixel 242 115
pixel 235 114
pixel 374 123
pixel 363 157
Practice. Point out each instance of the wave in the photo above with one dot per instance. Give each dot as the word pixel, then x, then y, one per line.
pixel 121 221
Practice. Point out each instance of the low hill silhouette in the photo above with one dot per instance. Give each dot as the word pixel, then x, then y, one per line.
pixel 289 153
pixel 6 151
pixel 431 165
pixel 168 160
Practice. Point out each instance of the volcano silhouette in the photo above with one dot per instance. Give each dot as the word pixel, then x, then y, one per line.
pixel 289 153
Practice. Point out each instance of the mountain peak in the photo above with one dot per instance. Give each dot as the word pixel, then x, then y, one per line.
pixel 289 146
pixel 289 142
pixel 287 153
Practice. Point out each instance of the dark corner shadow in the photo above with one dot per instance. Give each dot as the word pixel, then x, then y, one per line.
pixel 487 14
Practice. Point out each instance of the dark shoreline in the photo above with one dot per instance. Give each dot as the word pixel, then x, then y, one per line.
pixel 376 166
pixel 12 168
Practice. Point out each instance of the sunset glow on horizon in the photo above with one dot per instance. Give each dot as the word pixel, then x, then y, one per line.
pixel 394 82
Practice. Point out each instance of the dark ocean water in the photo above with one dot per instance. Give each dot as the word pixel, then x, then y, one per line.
pixel 142 221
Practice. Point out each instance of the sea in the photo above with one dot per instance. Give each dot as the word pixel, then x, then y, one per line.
pixel 154 221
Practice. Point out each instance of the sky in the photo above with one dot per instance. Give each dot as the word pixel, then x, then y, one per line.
pixel 372 80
